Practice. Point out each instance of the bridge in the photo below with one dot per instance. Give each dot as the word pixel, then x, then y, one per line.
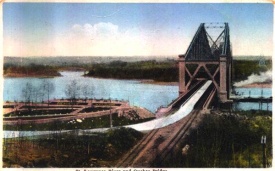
pixel 204 78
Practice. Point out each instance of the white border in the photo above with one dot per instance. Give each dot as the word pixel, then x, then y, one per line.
pixel 121 1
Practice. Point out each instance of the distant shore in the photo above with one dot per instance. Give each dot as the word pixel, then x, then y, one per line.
pixel 16 75
pixel 159 82
pixel 253 85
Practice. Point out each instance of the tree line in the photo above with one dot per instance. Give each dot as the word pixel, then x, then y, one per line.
pixel 168 71
pixel 159 71
pixel 151 69
pixel 34 93
pixel 242 68
pixel 30 70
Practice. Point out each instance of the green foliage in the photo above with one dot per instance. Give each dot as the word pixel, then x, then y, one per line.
pixel 66 150
pixel 227 141
pixel 123 138
pixel 168 70
pixel 244 68
pixel 158 71
pixel 30 70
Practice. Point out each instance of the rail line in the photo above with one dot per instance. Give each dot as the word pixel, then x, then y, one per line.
pixel 184 129
pixel 134 157
pixel 130 156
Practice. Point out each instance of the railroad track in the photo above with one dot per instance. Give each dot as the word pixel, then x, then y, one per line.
pixel 134 157
pixel 130 156
pixel 184 128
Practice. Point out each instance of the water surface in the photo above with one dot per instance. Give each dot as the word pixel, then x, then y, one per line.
pixel 149 96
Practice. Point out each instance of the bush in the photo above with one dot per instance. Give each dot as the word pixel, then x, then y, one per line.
pixel 229 141
pixel 123 138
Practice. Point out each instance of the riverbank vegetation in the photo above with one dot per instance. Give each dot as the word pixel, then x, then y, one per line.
pixel 226 141
pixel 157 69
pixel 168 71
pixel 244 68
pixel 33 70
pixel 67 151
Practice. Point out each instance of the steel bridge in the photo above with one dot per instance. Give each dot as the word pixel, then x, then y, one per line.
pixel 208 57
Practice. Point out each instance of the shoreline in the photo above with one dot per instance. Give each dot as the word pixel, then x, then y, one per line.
pixel 10 75
pixel 159 82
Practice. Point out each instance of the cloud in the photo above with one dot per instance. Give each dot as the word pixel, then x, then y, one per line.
pixel 101 39
pixel 99 30
pixel 106 39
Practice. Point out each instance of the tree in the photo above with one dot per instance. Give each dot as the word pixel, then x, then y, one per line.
pixel 47 89
pixel 27 92
pixel 72 91
pixel 86 91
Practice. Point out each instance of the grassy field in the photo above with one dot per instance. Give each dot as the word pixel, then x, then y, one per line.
pixel 95 150
pixel 221 141
pixel 227 141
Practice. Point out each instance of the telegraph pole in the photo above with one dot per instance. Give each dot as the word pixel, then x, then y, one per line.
pixel 111 119
pixel 263 142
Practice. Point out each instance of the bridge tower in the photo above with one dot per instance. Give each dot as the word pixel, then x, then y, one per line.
pixel 208 57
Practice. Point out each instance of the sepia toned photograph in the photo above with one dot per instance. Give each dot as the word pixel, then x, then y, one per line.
pixel 137 85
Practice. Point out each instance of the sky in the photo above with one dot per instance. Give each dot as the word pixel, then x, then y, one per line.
pixel 130 29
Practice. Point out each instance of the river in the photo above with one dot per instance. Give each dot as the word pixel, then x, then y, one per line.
pixel 149 96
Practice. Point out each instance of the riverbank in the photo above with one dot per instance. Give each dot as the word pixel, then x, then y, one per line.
pixel 32 75
pixel 159 82
pixel 30 71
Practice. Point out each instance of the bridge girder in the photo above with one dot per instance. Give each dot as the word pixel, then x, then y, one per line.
pixel 203 51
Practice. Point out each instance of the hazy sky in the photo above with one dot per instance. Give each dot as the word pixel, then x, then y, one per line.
pixel 104 29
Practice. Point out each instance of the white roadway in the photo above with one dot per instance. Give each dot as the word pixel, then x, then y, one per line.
pixel 184 110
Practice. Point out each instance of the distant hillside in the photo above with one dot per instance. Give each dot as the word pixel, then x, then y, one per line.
pixel 82 61
pixel 85 61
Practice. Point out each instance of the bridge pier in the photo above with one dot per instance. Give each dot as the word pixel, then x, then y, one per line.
pixel 182 86
pixel 223 80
